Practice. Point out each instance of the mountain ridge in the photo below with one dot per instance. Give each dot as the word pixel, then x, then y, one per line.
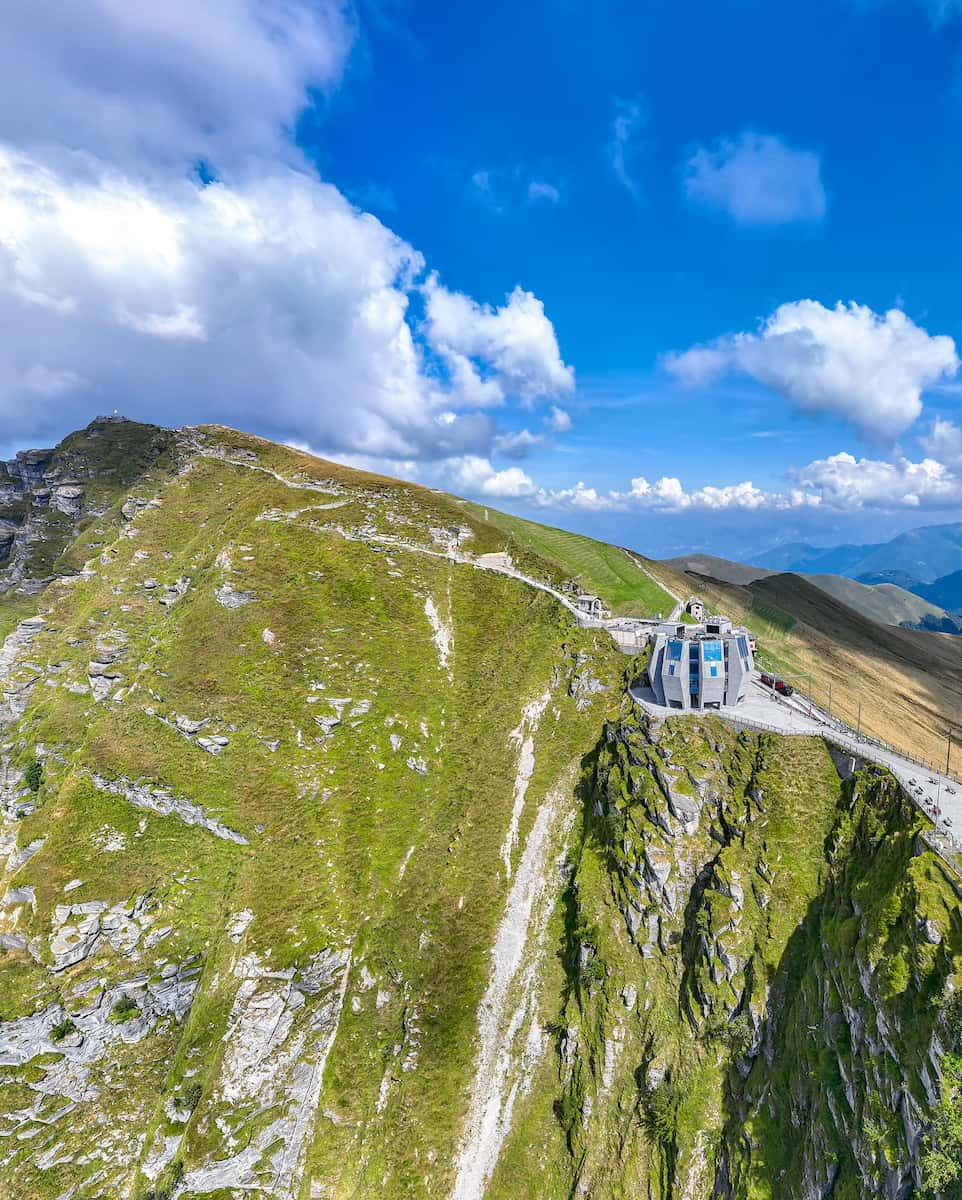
pixel 924 554
pixel 884 602
pixel 336 864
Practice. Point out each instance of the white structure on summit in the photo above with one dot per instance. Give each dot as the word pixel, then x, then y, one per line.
pixel 700 666
pixel 591 606
pixel 695 609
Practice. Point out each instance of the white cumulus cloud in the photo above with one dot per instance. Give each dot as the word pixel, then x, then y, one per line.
pixel 170 82
pixel 757 179
pixel 944 442
pixel 270 303
pixel 475 475
pixel 866 368
pixel 845 482
pixel 256 296
pixel 840 482
pixel 495 352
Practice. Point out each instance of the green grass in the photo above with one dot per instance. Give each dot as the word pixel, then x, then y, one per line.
pixel 348 846
pixel 766 617
pixel 599 568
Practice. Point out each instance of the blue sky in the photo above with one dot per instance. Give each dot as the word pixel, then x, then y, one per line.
pixel 683 276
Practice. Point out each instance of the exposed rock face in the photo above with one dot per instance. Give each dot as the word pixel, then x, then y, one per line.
pixel 771 904
pixel 67 498
pixel 46 494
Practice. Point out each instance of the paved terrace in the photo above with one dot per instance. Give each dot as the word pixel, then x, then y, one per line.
pixel 938 795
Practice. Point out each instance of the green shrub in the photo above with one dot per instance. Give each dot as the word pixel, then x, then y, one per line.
pixel 567 1110
pixel 124 1010
pixel 190 1097
pixel 895 972
pixel 593 972
pixel 33 775
pixel 737 1033
pixel 62 1029
pixel 942 1161
pixel 952 1016
pixel 659 1113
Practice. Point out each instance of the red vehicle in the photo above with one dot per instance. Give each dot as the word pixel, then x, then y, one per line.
pixel 768 680
pixel 786 689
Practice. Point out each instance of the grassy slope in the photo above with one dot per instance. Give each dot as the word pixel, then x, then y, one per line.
pixel 348 844
pixel 883 602
pixel 599 568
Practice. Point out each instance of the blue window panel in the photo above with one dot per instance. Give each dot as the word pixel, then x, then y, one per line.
pixel 743 647
pixel 714 672
pixel 712 651
pixel 671 668
pixel 674 650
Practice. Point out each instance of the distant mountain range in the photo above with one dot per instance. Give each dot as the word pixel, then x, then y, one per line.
pixel 921 555
pixel 925 561
pixel 881 598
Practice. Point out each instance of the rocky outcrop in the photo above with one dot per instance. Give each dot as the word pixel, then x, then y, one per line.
pixel 47 495
pixel 791 936
pixel 163 802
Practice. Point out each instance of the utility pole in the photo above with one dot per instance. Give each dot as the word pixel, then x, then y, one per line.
pixel 858 735
pixel 948 751
pixel 829 699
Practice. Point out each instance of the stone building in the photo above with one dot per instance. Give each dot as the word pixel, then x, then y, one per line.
pixel 591 606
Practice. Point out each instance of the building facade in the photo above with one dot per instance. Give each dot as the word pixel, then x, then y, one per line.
pixel 591 606
pixel 700 666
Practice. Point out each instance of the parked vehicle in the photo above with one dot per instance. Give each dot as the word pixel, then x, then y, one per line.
pixel 768 680
pixel 784 688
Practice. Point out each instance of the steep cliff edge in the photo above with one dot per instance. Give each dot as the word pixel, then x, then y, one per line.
pixel 757 956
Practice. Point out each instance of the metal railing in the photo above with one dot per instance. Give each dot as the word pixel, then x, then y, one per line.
pixel 824 717
pixel 939 841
